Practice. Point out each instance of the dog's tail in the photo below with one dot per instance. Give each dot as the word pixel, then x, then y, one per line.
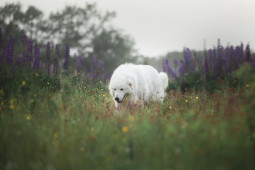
pixel 164 79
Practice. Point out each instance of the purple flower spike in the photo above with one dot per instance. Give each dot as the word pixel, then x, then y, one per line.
pixel 48 57
pixel 0 35
pixel 19 61
pixel 65 66
pixel 30 46
pixel 206 69
pixel 79 64
pixel 57 50
pixel 10 51
pixel 248 53
pixel 169 70
pixel 36 63
pixel 187 59
pixel 181 69
pixel 101 65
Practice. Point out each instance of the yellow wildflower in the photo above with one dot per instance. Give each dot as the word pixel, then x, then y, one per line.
pixel 23 83
pixel 28 117
pixel 55 135
pixel 186 101
pixel 11 106
pixel 31 100
pixel 132 118
pixel 196 97
pixel 36 74
pixel 124 129
pixel 170 108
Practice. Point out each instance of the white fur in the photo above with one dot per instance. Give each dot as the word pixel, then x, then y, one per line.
pixel 141 82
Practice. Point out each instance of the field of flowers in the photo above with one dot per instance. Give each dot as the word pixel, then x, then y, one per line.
pixel 54 118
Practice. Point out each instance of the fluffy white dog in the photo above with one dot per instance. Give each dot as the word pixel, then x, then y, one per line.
pixel 140 82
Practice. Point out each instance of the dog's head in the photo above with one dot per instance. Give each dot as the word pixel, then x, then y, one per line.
pixel 120 87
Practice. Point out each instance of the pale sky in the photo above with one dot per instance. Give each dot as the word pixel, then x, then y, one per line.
pixel 160 26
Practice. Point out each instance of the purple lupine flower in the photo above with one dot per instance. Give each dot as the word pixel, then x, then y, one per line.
pixel 79 64
pixel 57 50
pixel 0 34
pixel 19 60
pixel 247 53
pixel 181 69
pixel 210 58
pixel 169 70
pixel 10 51
pixel 92 73
pixel 253 61
pixel 232 57
pixel 241 54
pixel 187 59
pixel 0 37
pixel 101 65
pixel 227 59
pixel 28 59
pixel 206 69
pixel 36 63
pixel 237 59
pixel 56 63
pixel 30 46
pixel 48 57
pixel 65 66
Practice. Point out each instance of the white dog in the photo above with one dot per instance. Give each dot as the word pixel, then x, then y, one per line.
pixel 141 82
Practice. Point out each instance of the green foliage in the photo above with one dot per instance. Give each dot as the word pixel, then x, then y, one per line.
pixel 19 81
pixel 77 127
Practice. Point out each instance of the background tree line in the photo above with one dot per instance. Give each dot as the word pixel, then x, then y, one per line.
pixel 86 30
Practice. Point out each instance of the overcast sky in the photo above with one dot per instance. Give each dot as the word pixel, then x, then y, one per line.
pixel 159 26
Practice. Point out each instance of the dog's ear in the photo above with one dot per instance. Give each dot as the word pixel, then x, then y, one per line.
pixel 131 84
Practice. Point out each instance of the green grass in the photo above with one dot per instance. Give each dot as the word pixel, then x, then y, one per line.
pixel 77 127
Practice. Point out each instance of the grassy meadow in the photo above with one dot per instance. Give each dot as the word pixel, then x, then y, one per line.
pixel 70 124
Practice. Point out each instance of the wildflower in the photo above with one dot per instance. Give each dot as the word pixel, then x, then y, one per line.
pixel 2 103
pixel 132 118
pixel 48 83
pixel 82 149
pixel 1 91
pixel 28 117
pixel 36 74
pixel 124 129
pixel 11 107
pixel 55 135
pixel 170 108
pixel 186 101
pixel 196 97
pixel 23 83
pixel 247 85
pixel 31 100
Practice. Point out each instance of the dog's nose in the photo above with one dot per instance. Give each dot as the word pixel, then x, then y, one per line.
pixel 117 99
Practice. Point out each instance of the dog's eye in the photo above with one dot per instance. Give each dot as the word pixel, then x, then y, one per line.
pixel 121 89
